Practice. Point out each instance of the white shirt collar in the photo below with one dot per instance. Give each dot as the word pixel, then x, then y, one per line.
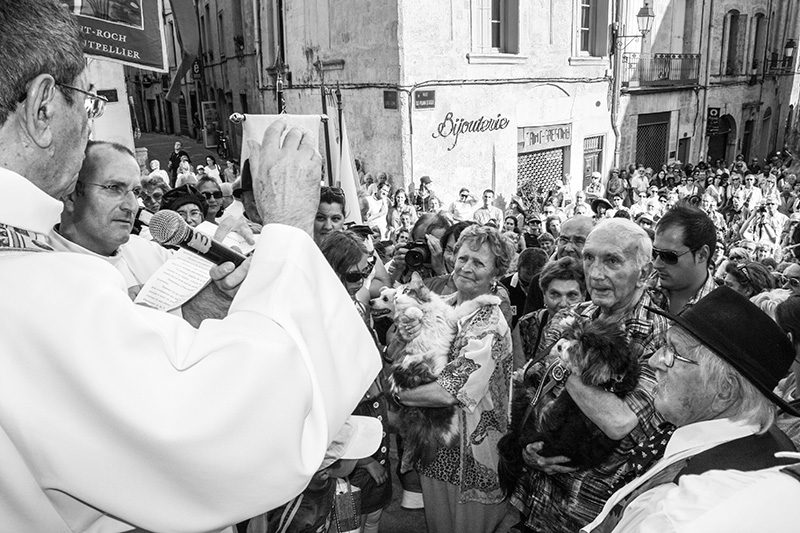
pixel 25 206
pixel 61 243
pixel 707 433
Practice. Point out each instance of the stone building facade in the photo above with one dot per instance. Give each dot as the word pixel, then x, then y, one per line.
pixel 504 94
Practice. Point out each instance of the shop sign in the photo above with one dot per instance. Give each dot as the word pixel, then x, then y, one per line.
pixel 454 126
pixel 712 121
pixel 545 137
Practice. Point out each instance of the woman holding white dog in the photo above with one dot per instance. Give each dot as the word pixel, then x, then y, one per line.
pixel 461 487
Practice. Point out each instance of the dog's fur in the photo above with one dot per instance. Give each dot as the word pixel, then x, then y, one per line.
pixel 600 350
pixel 425 429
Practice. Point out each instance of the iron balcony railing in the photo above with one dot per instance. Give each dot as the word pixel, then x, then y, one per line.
pixel 646 70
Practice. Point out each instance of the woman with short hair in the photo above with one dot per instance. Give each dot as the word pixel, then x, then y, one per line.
pixel 461 486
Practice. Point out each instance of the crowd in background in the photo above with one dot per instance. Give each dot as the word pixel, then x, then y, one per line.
pixel 527 256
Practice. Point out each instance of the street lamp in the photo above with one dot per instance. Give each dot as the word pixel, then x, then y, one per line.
pixel 644 20
pixel 788 53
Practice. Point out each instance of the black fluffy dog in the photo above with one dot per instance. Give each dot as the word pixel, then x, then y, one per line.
pixel 600 350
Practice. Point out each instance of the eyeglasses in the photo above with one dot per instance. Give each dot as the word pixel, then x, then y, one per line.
pixel 669 356
pixel 117 191
pixel 93 102
pixel 155 196
pixel 669 257
pixel 577 240
pixel 209 195
pixel 793 282
pixel 354 276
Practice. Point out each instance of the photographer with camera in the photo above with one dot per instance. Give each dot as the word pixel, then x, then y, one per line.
pixel 423 254
pixel 766 223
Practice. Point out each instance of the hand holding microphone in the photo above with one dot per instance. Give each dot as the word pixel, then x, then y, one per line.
pixel 169 229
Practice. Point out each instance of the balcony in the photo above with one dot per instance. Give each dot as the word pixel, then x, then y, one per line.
pixel 660 70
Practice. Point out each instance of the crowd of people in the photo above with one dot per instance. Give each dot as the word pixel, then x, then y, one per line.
pixel 642 261
pixel 267 401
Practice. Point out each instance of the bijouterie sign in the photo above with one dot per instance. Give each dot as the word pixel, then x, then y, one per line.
pixel 454 126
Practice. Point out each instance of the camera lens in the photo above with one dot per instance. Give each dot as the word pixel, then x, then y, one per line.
pixel 417 255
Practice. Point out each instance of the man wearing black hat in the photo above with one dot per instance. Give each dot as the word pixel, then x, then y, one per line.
pixel 715 378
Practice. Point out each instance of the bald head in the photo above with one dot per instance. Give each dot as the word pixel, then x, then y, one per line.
pixel 629 235
pixel 573 236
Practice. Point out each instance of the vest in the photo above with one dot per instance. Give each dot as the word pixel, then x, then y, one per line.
pixel 747 454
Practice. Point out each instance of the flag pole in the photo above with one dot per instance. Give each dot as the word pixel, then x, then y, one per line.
pixel 327 137
pixel 338 94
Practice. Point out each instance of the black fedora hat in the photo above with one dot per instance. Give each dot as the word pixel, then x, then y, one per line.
pixel 744 336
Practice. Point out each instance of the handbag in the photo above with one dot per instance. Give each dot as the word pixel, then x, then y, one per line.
pixel 346 507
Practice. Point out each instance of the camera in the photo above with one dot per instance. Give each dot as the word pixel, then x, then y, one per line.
pixel 761 209
pixel 417 254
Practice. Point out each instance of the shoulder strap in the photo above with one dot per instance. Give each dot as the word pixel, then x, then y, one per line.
pixel 543 318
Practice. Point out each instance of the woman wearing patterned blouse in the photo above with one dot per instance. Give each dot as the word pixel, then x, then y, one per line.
pixel 460 486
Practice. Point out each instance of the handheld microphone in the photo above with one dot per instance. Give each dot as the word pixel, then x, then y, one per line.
pixel 169 229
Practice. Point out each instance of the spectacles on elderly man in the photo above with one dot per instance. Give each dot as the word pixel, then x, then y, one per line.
pixel 93 102
pixel 577 240
pixel 669 356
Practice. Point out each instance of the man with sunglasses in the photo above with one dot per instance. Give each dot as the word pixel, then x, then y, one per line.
pixel 766 223
pixel 715 378
pixel 463 209
pixel 116 416
pixel 685 240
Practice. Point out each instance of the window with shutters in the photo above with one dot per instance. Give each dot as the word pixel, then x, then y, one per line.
pixel 591 21
pixel 495 32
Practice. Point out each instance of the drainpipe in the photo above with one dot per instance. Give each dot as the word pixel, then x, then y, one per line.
pixel 616 81
pixel 259 55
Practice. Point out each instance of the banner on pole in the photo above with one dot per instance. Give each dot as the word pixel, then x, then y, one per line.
pixel 128 31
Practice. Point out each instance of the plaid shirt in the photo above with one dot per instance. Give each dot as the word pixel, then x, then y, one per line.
pixel 566 502
pixel 660 296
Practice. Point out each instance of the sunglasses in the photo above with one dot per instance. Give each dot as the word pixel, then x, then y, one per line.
pixel 745 272
pixel 209 195
pixel 669 257
pixel 354 276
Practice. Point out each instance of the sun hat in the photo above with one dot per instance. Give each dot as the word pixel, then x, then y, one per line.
pixel 359 437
